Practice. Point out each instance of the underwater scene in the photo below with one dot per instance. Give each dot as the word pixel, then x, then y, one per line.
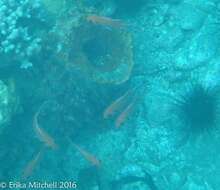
pixel 110 94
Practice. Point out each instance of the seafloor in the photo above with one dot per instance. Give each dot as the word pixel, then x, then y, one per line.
pixel 110 94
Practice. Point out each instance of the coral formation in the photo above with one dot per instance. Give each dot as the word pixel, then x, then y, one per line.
pixel 19 40
pixel 8 102
pixel 105 55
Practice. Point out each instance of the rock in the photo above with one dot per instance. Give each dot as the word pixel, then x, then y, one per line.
pixel 169 37
pixel 201 49
pixel 131 170
pixel 190 17
pixel 193 185
pixel 8 103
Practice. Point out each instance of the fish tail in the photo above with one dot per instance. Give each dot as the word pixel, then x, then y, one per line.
pixel 125 114
pixel 118 23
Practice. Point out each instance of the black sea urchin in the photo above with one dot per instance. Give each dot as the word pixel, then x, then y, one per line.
pixel 199 108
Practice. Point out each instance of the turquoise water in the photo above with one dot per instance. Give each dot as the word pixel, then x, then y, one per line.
pixel 109 95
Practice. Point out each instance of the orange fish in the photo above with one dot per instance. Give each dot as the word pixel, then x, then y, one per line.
pixel 117 104
pixel 43 135
pixel 125 114
pixel 31 165
pixel 88 156
pixel 105 21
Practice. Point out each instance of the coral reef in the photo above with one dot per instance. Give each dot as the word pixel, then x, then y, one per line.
pixel 85 65
pixel 105 55
pixel 8 102
pixel 20 39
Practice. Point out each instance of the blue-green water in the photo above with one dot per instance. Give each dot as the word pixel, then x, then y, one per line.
pixel 110 95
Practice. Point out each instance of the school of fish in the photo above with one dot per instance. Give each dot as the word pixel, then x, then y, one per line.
pixel 123 106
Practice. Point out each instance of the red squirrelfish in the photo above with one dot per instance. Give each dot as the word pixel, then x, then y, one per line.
pixel 31 165
pixel 117 105
pixel 125 114
pixel 87 155
pixel 105 21
pixel 43 135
